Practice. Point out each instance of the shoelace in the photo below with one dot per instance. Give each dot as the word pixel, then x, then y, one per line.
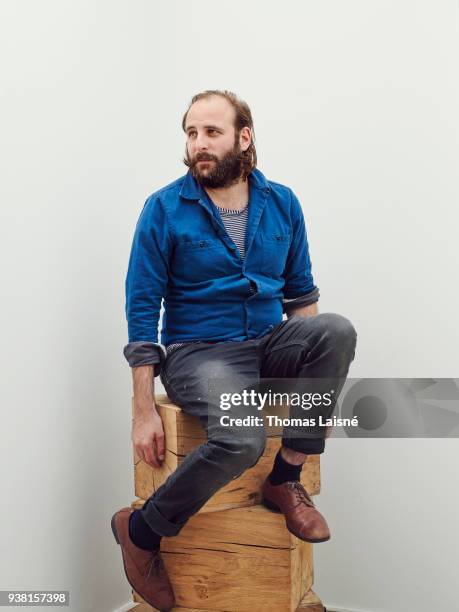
pixel 301 493
pixel 156 563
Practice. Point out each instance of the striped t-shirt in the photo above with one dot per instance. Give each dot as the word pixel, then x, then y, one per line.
pixel 235 222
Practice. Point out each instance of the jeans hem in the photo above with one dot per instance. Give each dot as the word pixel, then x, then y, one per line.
pixel 308 446
pixel 158 523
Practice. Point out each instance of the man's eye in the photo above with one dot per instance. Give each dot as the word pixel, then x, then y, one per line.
pixel 212 132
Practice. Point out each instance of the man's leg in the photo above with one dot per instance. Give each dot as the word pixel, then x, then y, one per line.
pixel 186 375
pixel 317 351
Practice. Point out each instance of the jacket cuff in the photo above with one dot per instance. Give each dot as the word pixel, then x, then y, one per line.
pixel 145 353
pixel 303 300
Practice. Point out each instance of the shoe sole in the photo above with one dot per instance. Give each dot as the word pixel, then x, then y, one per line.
pixel 115 534
pixel 272 506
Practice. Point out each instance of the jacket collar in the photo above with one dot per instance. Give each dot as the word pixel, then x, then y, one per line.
pixel 192 190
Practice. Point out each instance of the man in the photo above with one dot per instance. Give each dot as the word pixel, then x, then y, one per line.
pixel 227 251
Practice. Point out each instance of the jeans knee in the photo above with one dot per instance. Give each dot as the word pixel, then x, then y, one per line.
pixel 339 331
pixel 239 453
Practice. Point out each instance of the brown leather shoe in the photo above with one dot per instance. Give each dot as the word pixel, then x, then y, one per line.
pixel 144 569
pixel 301 517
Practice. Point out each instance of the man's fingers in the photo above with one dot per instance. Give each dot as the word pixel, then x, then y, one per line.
pixel 160 447
pixel 150 456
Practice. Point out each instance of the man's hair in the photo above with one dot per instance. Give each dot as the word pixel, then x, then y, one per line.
pixel 242 119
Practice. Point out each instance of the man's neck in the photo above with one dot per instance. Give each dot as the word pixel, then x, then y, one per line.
pixel 234 197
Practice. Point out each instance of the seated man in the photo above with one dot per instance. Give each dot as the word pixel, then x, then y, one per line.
pixel 227 251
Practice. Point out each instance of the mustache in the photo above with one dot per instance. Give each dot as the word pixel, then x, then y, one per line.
pixel 204 157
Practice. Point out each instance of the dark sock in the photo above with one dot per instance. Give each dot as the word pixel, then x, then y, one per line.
pixel 283 471
pixel 141 533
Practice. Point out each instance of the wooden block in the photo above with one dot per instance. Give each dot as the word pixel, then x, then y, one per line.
pixel 310 603
pixel 240 560
pixel 184 433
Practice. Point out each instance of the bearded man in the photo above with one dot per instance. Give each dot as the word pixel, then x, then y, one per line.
pixel 226 251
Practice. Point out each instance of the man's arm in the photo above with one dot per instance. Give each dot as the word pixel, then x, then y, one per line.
pixel 146 285
pixel 299 283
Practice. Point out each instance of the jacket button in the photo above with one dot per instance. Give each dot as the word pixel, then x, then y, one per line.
pixel 202 243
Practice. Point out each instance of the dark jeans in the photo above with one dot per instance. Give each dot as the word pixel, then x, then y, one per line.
pixel 319 347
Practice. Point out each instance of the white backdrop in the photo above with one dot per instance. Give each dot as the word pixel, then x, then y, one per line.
pixel 355 106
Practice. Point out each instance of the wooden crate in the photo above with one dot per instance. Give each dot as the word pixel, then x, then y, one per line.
pixel 241 560
pixel 184 433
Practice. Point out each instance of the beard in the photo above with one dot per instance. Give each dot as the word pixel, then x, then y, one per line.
pixel 222 173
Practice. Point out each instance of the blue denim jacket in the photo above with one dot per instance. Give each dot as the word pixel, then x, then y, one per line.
pixel 182 253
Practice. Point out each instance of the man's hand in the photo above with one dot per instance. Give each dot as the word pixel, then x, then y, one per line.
pixel 147 426
pixel 148 437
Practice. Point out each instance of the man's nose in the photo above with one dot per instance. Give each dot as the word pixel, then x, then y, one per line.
pixel 201 142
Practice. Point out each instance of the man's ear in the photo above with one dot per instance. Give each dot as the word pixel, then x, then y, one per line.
pixel 245 138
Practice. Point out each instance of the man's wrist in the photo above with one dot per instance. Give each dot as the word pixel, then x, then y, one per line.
pixel 144 407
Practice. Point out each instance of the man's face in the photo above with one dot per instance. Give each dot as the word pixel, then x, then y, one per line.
pixel 213 149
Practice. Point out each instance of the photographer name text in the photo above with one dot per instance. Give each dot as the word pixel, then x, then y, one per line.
pixel 276 421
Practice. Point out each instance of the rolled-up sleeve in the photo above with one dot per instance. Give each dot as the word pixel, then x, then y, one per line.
pixel 144 353
pixel 298 276
pixel 146 284
pixel 305 300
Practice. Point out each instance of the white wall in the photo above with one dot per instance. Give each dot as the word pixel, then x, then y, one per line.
pixel 355 105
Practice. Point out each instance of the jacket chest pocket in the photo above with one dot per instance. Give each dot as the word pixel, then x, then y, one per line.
pixel 275 253
pixel 199 260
